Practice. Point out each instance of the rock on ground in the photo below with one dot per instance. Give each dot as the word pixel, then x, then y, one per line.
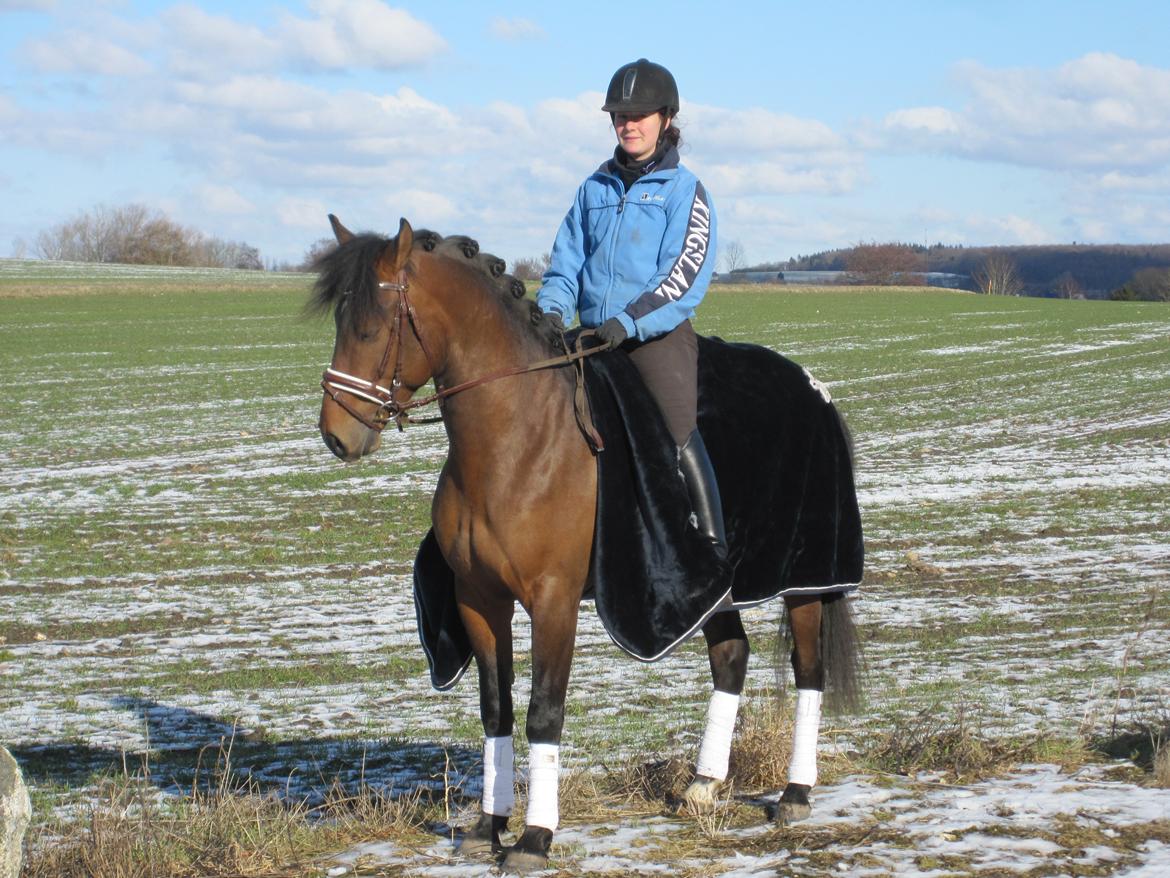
pixel 15 811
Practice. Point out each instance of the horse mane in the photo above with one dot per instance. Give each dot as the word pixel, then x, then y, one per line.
pixel 346 276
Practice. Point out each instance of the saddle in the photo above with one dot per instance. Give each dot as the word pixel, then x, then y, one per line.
pixel 783 459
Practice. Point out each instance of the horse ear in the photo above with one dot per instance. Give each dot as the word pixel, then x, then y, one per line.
pixel 405 243
pixel 340 232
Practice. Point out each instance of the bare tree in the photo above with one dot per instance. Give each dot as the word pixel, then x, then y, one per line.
pixel 531 268
pixel 136 234
pixel 734 256
pixel 1068 287
pixel 997 276
pixel 317 250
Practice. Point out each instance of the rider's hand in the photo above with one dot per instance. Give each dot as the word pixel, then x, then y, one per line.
pixel 612 332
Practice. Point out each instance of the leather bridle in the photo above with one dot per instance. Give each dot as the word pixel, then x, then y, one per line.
pixel 336 384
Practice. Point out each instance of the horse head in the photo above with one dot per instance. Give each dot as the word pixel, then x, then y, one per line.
pixel 379 355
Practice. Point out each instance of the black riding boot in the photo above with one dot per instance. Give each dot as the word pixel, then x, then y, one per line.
pixel 699 475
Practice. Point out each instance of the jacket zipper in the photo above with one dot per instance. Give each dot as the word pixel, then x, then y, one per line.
pixel 613 250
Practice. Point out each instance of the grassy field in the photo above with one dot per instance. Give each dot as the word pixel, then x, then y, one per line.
pixel 184 564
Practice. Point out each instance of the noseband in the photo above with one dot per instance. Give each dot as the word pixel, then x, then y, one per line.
pixel 335 383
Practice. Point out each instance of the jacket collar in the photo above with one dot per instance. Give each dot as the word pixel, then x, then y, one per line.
pixel 669 162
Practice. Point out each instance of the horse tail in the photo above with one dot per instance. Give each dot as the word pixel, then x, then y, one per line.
pixel 840 654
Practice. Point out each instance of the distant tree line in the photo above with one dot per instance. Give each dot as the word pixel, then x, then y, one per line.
pixel 1067 270
pixel 138 235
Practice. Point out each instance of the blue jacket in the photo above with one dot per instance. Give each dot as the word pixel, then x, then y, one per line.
pixel 644 256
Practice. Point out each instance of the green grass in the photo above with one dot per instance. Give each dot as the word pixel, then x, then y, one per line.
pixel 163 482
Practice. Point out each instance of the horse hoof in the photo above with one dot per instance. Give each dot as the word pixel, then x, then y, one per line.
pixel 518 862
pixel 702 794
pixel 474 847
pixel 793 804
pixel 530 853
pixel 483 837
pixel 791 812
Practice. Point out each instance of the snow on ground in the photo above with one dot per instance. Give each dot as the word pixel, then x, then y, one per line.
pixel 893 826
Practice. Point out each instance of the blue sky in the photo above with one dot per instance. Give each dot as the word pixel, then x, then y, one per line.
pixel 812 125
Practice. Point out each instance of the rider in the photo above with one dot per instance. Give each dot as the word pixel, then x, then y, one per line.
pixel 633 258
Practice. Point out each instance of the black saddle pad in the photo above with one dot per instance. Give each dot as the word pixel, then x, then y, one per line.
pixel 782 457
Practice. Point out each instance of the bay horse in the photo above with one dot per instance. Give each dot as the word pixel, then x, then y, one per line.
pixel 513 510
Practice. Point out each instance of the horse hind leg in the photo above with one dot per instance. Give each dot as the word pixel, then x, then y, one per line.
pixel 727 651
pixel 804 619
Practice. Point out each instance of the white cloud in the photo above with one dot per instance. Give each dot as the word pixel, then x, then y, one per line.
pixel 516 29
pixel 209 45
pixel 303 213
pixel 425 208
pixel 933 120
pixel 362 33
pixel 1115 181
pixel 221 199
pixel 80 52
pixel 756 130
pixel 1097 112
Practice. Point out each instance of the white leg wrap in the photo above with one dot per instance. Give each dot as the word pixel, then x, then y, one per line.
pixel 499 795
pixel 544 764
pixel 716 747
pixel 802 768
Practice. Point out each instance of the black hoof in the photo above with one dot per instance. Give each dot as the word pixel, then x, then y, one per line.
pixel 483 837
pixel 530 853
pixel 793 805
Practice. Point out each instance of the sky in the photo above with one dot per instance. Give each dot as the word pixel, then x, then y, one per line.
pixel 811 125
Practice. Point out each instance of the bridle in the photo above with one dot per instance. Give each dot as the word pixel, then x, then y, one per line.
pixel 336 384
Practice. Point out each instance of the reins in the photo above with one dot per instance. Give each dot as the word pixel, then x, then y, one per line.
pixel 334 382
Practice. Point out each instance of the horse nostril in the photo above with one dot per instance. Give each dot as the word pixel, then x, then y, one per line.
pixel 335 445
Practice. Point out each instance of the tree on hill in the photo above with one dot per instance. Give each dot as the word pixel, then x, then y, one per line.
pixel 138 235
pixel 884 264
pixel 1146 285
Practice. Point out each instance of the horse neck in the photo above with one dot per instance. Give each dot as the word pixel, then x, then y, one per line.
pixel 480 338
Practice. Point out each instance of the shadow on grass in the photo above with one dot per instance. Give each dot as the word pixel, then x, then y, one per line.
pixel 191 751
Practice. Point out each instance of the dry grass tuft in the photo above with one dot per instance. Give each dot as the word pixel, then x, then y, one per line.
pixel 131 830
pixel 957 746
pixel 638 782
pixel 1162 766
pixel 763 742
pixel 1146 744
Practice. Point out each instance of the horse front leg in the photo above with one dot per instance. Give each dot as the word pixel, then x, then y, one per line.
pixel 804 618
pixel 554 631
pixel 489 628
pixel 727 652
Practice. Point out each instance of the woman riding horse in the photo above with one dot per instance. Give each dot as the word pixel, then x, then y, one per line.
pixel 513 511
pixel 631 259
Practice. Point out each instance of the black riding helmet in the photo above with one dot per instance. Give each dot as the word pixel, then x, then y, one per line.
pixel 641 87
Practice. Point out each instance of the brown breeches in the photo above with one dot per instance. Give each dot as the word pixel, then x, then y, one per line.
pixel 669 364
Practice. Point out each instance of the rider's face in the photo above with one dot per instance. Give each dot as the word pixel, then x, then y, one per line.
pixel 638 133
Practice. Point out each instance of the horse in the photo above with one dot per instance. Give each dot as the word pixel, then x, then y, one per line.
pixel 513 510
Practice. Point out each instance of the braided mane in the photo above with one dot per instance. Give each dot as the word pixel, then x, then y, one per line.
pixel 347 282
